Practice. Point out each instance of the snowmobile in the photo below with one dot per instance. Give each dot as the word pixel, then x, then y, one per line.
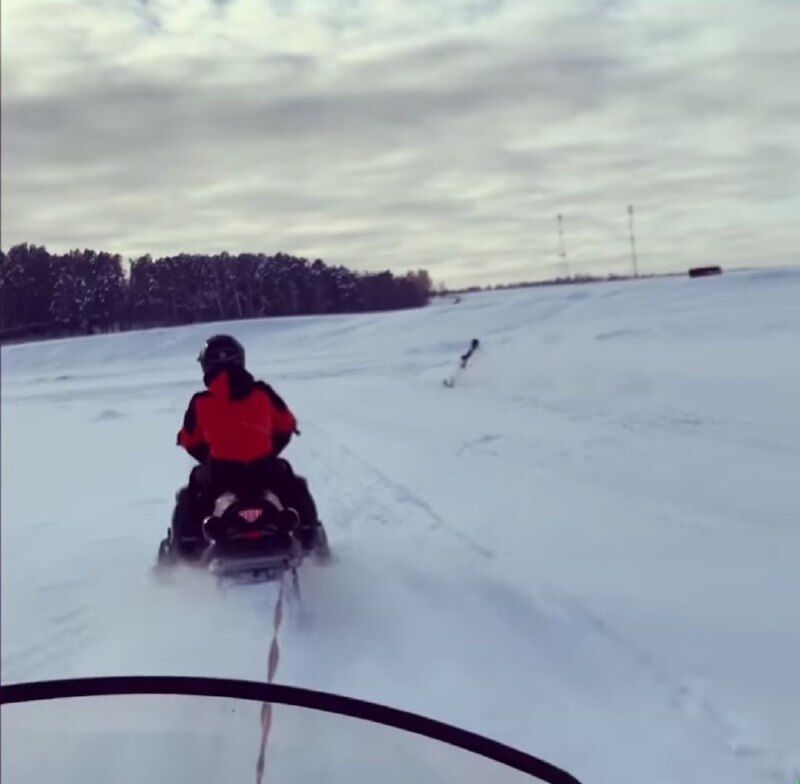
pixel 249 539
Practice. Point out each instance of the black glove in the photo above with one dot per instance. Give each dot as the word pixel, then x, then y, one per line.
pixel 279 442
pixel 199 453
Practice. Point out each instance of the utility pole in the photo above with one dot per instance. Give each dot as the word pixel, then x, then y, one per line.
pixel 633 242
pixel 562 250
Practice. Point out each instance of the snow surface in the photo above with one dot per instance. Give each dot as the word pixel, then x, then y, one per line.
pixel 587 549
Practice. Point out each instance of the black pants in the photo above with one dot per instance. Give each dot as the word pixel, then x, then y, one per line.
pixel 209 480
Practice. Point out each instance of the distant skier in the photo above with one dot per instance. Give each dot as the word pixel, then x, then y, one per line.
pixel 236 430
pixel 473 346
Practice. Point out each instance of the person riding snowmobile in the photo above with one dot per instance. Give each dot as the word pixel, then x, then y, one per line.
pixel 473 347
pixel 236 430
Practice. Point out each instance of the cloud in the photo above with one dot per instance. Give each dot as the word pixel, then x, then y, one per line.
pixel 444 134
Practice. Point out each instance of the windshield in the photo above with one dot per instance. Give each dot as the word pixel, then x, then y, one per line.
pixel 196 729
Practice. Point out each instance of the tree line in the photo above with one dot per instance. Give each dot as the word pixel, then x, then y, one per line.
pixel 85 291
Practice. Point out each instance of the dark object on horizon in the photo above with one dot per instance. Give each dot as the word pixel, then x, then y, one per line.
pixel 702 272
pixel 457 300
pixel 472 347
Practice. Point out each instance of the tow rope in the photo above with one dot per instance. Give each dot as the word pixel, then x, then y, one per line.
pixel 274 657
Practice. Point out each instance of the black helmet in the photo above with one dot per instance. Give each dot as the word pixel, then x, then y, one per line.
pixel 221 351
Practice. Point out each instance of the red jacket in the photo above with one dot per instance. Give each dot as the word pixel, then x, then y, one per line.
pixel 237 419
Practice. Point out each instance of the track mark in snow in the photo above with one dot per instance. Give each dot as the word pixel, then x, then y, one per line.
pixel 369 495
pixel 551 339
pixel 68 632
pixel 479 444
pixel 397 492
pixel 108 414
pixel 555 634
pixel 681 695
pixel 673 422
pixel 621 333
pixel 42 527
pixel 150 502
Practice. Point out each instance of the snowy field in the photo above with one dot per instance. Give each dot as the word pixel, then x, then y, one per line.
pixel 587 549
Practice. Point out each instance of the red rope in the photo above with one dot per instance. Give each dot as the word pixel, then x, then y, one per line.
pixel 274 658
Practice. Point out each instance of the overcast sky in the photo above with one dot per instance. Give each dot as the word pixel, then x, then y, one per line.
pixel 445 134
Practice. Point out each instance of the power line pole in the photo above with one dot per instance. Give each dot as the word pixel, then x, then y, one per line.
pixel 562 250
pixel 633 241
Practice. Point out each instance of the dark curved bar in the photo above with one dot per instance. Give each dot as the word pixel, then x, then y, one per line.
pixel 287 695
